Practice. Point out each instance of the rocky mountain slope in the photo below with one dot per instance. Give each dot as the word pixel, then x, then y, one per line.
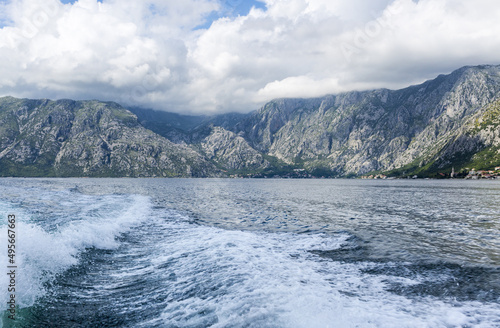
pixel 451 121
pixel 421 129
pixel 380 130
pixel 211 136
pixel 87 138
pixel 473 144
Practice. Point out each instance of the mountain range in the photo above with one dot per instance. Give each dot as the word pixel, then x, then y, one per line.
pixel 449 122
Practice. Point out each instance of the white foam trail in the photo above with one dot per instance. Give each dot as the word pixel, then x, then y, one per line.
pixel 42 254
pixel 237 278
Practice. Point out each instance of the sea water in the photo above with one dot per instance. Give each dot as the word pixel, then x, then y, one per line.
pixel 252 253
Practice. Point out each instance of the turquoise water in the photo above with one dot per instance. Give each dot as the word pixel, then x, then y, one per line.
pixel 253 253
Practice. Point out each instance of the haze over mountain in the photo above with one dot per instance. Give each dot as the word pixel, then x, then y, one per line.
pixel 451 121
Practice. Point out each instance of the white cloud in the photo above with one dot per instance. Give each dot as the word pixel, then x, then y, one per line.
pixel 150 53
pixel 298 86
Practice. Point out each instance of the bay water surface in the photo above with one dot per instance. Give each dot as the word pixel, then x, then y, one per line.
pixel 252 253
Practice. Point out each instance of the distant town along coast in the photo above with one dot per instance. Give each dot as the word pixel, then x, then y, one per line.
pixel 466 173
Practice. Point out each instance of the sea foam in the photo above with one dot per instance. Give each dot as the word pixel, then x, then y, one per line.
pixel 45 250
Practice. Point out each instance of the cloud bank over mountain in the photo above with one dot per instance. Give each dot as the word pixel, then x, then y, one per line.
pixel 179 56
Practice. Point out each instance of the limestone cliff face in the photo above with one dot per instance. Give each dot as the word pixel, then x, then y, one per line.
pixel 358 132
pixel 87 138
pixel 476 142
pixel 231 151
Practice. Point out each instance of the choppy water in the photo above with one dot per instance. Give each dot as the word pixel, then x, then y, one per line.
pixel 253 253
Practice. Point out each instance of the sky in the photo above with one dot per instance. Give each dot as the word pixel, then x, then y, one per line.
pixel 216 56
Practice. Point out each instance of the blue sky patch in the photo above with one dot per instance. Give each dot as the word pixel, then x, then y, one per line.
pixel 232 8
